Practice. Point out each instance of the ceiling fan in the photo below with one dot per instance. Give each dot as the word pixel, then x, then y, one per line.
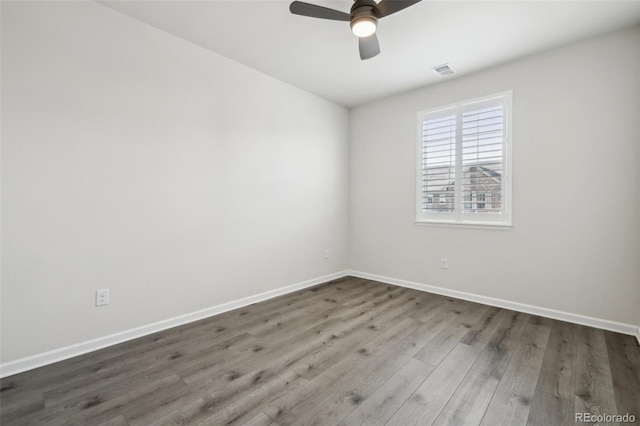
pixel 363 19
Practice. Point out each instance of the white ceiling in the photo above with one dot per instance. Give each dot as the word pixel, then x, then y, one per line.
pixel 321 56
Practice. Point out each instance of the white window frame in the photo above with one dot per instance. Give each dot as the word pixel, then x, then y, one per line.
pixel 458 218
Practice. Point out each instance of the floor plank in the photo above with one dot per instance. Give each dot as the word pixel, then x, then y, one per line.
pixel 469 402
pixel 331 392
pixel 384 402
pixel 438 348
pixel 424 405
pixel 594 386
pixel 625 371
pixel 512 398
pixel 554 394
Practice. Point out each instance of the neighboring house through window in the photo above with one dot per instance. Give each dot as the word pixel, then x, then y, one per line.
pixel 464 163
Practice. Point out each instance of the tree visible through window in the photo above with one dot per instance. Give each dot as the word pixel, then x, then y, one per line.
pixel 463 163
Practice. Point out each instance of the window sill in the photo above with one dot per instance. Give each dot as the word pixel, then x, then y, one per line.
pixel 471 225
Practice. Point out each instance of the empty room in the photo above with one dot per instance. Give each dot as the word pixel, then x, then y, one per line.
pixel 266 212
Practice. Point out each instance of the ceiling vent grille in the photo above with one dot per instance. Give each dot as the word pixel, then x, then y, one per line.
pixel 444 69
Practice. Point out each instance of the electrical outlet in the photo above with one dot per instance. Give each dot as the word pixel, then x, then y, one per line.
pixel 444 263
pixel 102 297
pixel 326 253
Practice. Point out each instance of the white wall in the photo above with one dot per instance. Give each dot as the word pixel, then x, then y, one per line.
pixel 574 245
pixel 136 161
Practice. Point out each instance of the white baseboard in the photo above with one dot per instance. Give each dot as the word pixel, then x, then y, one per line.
pixel 514 306
pixel 39 360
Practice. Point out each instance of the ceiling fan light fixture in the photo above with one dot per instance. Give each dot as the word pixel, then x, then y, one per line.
pixel 364 26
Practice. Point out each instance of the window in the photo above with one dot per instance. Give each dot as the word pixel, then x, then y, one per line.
pixel 464 153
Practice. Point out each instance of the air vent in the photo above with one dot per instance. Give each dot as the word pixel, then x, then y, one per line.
pixel 444 69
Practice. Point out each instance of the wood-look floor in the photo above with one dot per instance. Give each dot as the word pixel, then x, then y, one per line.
pixel 347 352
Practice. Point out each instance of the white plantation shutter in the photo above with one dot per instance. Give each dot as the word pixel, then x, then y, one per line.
pixel 463 163
pixel 483 138
pixel 438 162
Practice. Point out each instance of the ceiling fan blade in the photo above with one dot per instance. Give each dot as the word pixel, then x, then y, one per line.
pixel 387 7
pixel 369 46
pixel 315 11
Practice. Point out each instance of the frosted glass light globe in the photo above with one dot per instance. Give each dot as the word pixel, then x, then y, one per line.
pixel 364 27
